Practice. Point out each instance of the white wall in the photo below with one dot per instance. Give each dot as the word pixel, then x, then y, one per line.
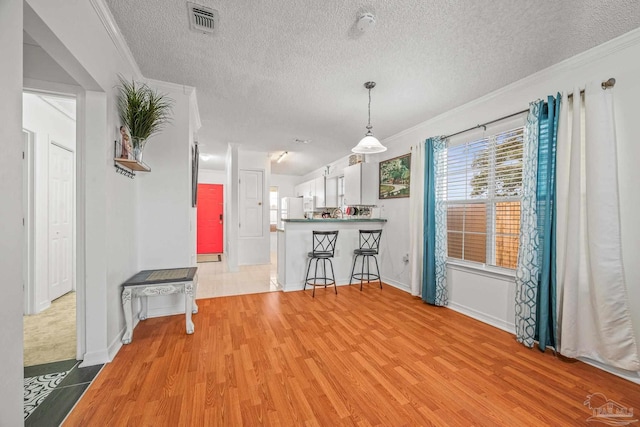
pixel 255 250
pixel 108 255
pixel 285 184
pixel 231 208
pixel 39 65
pixel 165 231
pixel 208 176
pixel 49 125
pixel 11 391
pixel 491 299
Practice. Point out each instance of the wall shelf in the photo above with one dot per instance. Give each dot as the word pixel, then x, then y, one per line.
pixel 125 166
pixel 133 165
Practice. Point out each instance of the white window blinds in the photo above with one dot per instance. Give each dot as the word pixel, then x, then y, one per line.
pixel 482 186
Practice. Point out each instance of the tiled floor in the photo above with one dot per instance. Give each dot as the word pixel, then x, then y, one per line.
pixel 215 279
pixel 51 390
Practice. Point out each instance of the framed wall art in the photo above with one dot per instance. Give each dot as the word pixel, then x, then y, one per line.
pixel 395 177
pixel 194 175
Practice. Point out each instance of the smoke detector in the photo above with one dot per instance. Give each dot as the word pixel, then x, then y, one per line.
pixel 366 22
pixel 202 19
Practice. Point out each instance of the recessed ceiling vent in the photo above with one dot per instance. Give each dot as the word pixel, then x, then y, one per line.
pixel 202 19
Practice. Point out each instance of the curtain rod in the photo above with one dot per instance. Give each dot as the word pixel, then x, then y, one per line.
pixel 605 85
pixel 484 125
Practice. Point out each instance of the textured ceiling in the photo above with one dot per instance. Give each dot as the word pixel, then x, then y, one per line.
pixel 276 71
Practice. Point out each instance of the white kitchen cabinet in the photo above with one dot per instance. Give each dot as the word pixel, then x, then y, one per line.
pixel 304 189
pixel 331 192
pixel 361 184
pixel 319 193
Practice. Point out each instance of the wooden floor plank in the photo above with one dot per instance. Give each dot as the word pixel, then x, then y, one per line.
pixel 370 358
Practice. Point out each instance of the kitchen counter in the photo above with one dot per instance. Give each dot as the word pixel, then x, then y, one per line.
pixel 295 241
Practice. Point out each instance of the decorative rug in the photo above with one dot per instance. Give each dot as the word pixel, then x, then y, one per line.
pixel 36 389
pixel 51 390
pixel 209 257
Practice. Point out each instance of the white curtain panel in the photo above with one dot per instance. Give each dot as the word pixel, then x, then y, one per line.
pixel 594 317
pixel 416 218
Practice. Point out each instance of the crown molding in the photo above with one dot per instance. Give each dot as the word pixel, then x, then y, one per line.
pixel 190 91
pixel 173 87
pixel 109 23
pixel 606 49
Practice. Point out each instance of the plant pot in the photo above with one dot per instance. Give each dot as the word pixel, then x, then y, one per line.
pixel 138 148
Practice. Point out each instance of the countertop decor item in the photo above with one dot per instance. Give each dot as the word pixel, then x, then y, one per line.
pixel 143 111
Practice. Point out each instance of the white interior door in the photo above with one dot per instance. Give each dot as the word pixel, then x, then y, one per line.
pixel 251 203
pixel 61 166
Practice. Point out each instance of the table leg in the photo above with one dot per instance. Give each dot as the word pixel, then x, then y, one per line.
pixel 188 302
pixel 126 306
pixel 143 310
pixel 195 292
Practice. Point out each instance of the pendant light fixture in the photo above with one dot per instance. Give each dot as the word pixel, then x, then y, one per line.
pixel 369 144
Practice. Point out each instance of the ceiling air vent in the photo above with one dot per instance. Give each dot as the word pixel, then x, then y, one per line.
pixel 202 19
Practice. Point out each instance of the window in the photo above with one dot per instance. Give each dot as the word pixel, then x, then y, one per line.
pixel 482 184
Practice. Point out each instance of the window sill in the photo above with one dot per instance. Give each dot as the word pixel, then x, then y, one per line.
pixel 483 270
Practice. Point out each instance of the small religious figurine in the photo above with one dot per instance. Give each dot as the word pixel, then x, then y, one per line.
pixel 125 142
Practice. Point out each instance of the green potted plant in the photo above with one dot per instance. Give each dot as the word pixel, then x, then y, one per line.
pixel 143 111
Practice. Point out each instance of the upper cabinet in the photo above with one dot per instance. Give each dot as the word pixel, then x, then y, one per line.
pixel 304 189
pixel 361 184
pixel 319 193
pixel 331 192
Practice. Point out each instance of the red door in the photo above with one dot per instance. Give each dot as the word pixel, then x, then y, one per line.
pixel 210 226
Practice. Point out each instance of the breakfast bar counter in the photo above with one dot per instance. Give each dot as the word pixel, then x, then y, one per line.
pixel 295 241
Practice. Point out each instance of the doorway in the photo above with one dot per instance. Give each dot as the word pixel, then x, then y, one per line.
pixel 210 220
pixel 49 123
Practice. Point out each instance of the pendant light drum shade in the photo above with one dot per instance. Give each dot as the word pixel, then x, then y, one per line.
pixel 369 144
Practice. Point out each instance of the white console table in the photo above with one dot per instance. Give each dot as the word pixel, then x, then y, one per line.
pixel 159 282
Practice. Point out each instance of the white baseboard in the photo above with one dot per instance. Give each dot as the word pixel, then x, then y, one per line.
pixel 396 284
pixel 634 377
pixel 42 306
pixel 483 317
pixel 95 358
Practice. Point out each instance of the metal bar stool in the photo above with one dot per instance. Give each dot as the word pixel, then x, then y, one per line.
pixel 369 244
pixel 324 245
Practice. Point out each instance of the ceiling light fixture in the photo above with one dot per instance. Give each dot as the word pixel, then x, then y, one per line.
pixel 281 156
pixel 369 144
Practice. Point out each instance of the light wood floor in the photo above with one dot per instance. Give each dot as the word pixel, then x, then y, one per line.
pixel 377 357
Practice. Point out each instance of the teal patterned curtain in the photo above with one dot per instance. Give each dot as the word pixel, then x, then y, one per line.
pixel 535 314
pixel 546 318
pixel 528 259
pixel 434 285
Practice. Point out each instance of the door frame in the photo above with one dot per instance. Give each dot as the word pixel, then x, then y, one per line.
pixel 28 221
pixel 39 87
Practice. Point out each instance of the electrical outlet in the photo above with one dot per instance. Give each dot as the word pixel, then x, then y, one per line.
pixel 337 253
pixel 405 258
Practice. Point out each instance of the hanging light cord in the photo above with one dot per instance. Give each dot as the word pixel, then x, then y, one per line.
pixel 369 127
